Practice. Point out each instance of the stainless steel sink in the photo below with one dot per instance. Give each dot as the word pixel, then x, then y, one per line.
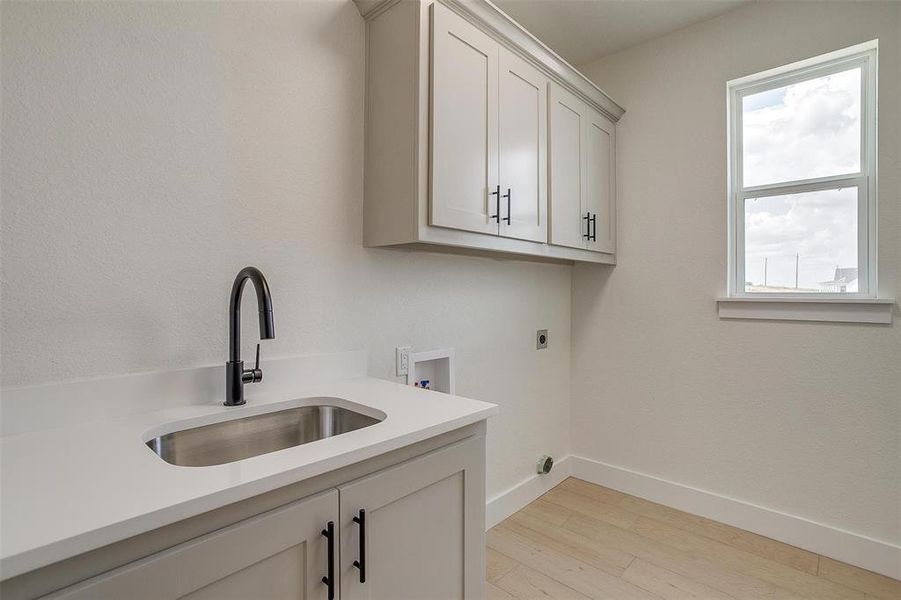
pixel 233 440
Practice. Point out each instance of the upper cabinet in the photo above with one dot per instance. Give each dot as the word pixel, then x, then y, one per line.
pixel 582 186
pixel 489 123
pixel 464 112
pixel 522 126
pixel 478 136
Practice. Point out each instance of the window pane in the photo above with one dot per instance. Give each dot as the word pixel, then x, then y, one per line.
pixel 803 130
pixel 802 242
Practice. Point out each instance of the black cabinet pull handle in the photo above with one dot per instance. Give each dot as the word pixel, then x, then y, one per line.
pixel 594 229
pixel 507 218
pixel 361 564
pixel 587 219
pixel 329 580
pixel 497 194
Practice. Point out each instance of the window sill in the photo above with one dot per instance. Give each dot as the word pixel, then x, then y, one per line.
pixel 836 310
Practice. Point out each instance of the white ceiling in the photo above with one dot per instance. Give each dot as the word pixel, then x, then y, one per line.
pixel 583 30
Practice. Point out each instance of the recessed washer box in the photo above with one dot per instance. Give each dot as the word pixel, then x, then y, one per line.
pixel 435 365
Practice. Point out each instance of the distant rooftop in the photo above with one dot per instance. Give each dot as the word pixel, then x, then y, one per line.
pixel 843 275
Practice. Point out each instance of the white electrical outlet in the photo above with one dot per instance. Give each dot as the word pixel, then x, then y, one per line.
pixel 402 360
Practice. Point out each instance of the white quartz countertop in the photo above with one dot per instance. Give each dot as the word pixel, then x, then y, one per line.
pixel 73 488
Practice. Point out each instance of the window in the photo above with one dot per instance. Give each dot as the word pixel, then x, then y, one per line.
pixel 802 178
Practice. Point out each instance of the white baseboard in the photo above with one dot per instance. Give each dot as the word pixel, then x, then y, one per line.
pixel 508 502
pixel 868 553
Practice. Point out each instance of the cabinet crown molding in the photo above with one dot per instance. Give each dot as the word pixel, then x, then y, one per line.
pixel 497 23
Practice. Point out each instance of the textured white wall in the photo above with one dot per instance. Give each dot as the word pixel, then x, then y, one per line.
pixel 797 417
pixel 152 150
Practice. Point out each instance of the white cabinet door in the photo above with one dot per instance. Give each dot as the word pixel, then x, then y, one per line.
pixel 423 529
pixel 463 125
pixel 600 191
pixel 582 203
pixel 280 554
pixel 522 122
pixel 567 128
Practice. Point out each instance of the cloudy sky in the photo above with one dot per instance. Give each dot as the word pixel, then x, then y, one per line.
pixel 810 129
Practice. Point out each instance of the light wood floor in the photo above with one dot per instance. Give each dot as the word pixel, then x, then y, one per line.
pixel 584 541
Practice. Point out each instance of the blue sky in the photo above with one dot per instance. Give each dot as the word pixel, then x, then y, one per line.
pixel 765 99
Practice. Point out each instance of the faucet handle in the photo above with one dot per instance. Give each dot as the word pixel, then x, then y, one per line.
pixel 257 371
pixel 254 375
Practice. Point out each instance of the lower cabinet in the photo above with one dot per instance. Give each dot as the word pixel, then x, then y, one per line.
pixel 279 554
pixel 414 530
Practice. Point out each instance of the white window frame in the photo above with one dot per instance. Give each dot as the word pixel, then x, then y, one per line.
pixel 863 56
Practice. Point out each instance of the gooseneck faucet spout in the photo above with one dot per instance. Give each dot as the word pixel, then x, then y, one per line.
pixel 235 373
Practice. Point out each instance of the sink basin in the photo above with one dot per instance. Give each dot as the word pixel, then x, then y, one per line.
pixel 228 441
